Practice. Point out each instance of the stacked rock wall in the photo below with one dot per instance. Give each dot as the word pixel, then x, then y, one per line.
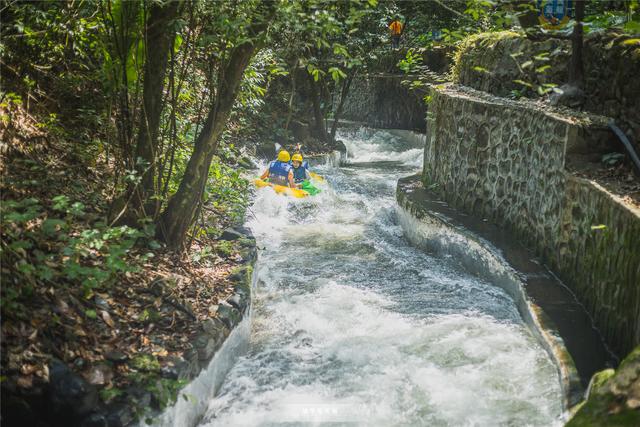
pixel 504 160
pixel 500 63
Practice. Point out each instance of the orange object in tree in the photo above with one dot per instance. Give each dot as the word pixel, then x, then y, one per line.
pixel 396 28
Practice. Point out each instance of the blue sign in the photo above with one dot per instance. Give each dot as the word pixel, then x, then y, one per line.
pixel 554 14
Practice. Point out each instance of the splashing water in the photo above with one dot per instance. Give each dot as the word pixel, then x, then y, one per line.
pixel 352 325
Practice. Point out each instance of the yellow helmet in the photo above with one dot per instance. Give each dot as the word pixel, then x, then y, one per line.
pixel 297 158
pixel 284 156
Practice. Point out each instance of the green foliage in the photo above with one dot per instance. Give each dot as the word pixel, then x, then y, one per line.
pixel 225 248
pixel 145 363
pixel 202 254
pixel 145 370
pixel 626 18
pixel 149 316
pixel 166 390
pixel 48 247
pixel 412 62
pixel 486 40
pixel 227 190
pixel 108 394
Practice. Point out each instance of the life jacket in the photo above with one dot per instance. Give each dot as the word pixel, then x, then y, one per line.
pixel 396 28
pixel 299 174
pixel 279 172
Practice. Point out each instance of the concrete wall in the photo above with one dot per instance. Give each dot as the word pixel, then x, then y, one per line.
pixel 504 160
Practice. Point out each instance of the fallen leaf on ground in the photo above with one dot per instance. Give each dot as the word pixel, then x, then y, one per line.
pixel 107 319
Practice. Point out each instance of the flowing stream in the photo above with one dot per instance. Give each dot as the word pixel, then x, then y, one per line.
pixel 354 326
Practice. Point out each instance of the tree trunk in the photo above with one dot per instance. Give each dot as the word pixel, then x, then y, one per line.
pixel 159 42
pixel 293 93
pixel 346 85
pixel 576 77
pixel 321 130
pixel 175 221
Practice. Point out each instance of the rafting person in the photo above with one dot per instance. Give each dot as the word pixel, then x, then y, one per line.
pixel 280 172
pixel 300 169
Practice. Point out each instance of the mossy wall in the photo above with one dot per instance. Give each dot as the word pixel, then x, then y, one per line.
pixel 504 160
pixel 500 63
pixel 614 397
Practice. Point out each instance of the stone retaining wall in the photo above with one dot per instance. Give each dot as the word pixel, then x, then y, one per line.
pixel 499 62
pixel 504 161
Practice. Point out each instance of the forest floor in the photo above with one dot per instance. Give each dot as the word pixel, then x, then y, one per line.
pixel 71 290
pixel 619 179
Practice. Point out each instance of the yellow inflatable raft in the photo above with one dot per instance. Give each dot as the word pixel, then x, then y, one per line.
pixel 316 176
pixel 281 189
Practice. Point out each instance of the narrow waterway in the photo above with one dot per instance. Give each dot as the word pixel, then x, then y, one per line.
pixel 352 325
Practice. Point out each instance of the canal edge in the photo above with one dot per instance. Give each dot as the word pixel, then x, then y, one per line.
pixel 411 216
pixel 222 341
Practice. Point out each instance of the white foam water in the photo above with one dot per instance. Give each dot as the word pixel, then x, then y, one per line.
pixel 354 326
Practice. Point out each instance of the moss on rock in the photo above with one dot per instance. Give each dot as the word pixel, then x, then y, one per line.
pixel 614 398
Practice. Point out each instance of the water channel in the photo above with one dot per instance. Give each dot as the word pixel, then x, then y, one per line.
pixel 354 326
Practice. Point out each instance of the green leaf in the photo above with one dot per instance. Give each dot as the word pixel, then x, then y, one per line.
pixel 337 74
pixel 45 273
pixel 632 27
pixel 177 42
pixel 631 42
pixel 77 209
pixel 523 83
pixel 91 314
pixel 51 226
pixel 60 203
pixel 20 244
pixel 26 268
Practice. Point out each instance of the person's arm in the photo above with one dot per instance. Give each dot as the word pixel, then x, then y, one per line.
pixel 307 175
pixel 265 174
pixel 291 183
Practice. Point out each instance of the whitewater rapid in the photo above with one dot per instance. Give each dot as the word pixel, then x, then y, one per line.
pixel 353 326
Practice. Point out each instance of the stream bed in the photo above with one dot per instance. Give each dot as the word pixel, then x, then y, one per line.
pixel 354 326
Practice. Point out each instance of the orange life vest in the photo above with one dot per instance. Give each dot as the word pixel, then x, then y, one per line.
pixel 396 28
